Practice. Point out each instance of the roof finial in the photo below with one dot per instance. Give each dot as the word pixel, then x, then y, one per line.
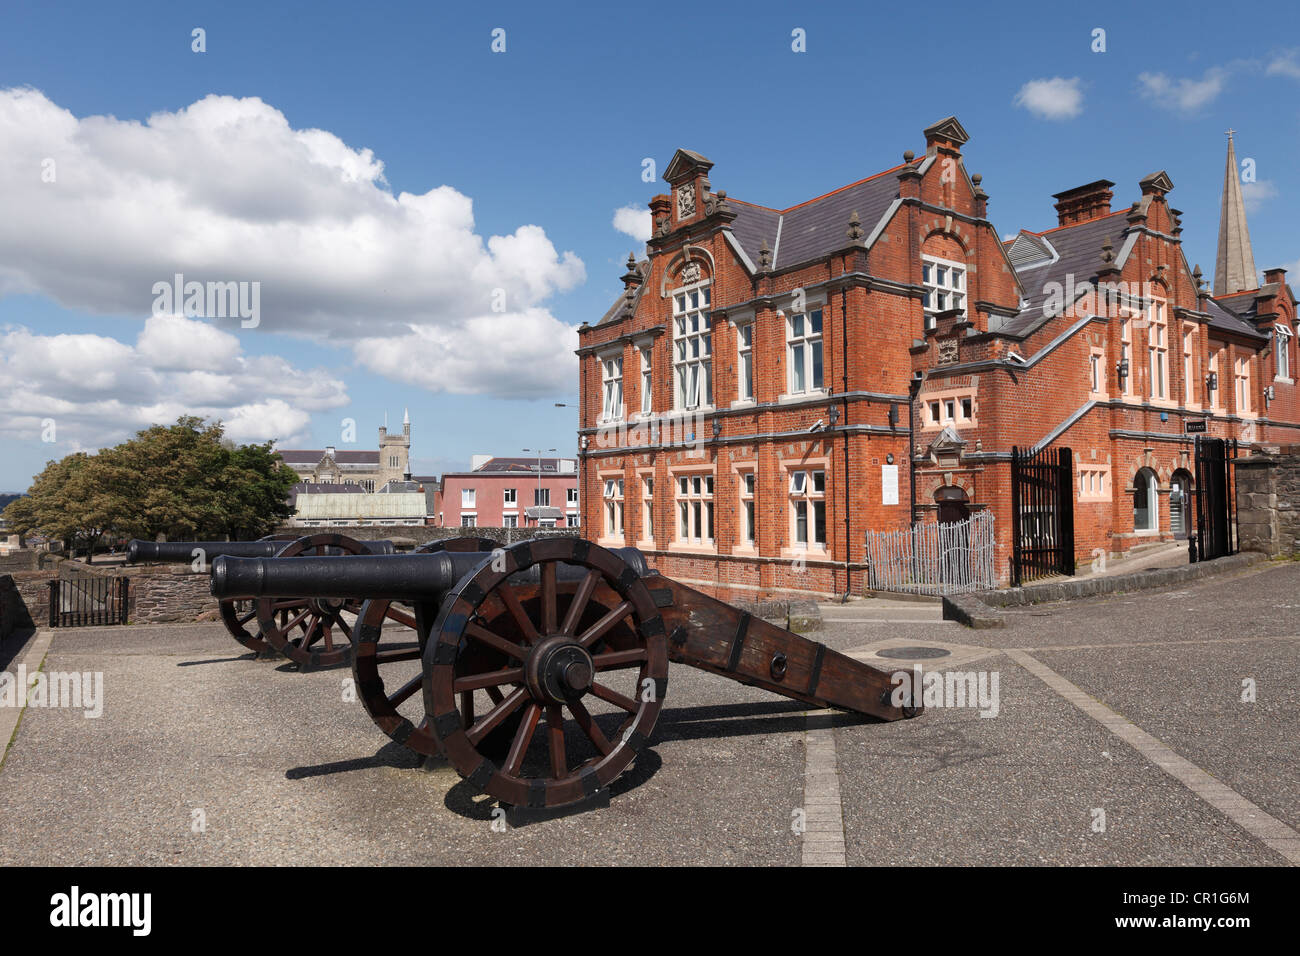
pixel 855 226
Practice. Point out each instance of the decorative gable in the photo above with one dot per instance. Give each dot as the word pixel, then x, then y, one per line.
pixel 949 130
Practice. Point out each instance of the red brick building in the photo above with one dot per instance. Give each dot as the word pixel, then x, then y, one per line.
pixel 511 493
pixel 775 383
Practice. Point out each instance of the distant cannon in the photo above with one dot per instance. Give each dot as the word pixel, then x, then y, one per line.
pixel 540 630
pixel 320 617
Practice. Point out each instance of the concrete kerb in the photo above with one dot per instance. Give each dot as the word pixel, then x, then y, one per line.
pixel 984 608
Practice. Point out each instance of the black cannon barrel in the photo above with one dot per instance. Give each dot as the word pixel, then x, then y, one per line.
pixel 407 577
pixel 182 552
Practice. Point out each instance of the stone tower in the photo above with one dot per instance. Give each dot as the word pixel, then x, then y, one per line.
pixel 1234 268
pixel 394 453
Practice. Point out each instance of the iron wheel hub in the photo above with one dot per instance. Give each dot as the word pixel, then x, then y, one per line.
pixel 558 670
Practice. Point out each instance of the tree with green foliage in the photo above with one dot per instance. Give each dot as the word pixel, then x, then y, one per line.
pixel 180 481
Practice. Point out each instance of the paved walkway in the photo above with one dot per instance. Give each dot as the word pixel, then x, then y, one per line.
pixel 1166 554
pixel 1148 728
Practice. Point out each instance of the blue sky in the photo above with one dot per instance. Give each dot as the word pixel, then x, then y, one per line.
pixel 364 308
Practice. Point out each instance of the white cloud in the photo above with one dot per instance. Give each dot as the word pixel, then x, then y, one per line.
pixel 1255 195
pixel 476 358
pixel 1285 64
pixel 1184 95
pixel 1055 99
pixel 633 221
pixel 99 391
pixel 225 190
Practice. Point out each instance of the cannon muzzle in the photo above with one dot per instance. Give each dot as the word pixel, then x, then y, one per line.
pixel 400 577
pixel 181 552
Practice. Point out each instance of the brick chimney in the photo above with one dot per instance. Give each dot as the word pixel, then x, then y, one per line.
pixel 1274 275
pixel 1083 202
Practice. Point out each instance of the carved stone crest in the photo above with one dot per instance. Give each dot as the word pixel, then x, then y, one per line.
pixel 686 201
pixel 948 352
pixel 690 273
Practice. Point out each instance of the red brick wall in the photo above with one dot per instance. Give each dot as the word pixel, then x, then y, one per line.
pixel 868 335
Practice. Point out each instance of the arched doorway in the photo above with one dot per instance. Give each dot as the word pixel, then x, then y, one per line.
pixel 1146 501
pixel 1180 503
pixel 953 504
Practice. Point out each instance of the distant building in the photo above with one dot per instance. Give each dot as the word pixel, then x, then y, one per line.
pixel 369 470
pixel 342 506
pixel 348 488
pixel 511 493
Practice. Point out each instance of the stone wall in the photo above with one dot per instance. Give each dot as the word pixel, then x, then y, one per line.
pixel 28 559
pixel 411 537
pixel 1268 502
pixel 24 600
pixel 161 594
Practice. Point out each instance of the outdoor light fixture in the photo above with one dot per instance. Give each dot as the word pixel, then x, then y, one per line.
pixel 1212 380
pixel 717 427
pixel 833 413
pixel 1269 395
pixel 1121 369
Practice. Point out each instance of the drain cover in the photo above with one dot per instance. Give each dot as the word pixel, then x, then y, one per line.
pixel 913 653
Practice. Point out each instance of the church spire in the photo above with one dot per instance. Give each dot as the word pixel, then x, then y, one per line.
pixel 1234 268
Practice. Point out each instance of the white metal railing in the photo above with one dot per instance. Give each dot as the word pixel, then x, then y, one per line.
pixel 951 558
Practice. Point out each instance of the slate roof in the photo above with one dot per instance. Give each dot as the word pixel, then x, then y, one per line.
pixel 321 488
pixel 1228 320
pixel 305 456
pixel 816 228
pixel 616 309
pixel 519 464
pixel 522 466
pixel 1079 247
pixel 1246 304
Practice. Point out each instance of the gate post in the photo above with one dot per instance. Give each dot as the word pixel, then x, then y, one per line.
pixel 1065 509
pixel 1015 517
pixel 53 584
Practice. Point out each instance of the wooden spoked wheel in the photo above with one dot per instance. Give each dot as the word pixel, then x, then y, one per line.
pixel 238 613
pixel 386 663
pixel 314 632
pixel 579 644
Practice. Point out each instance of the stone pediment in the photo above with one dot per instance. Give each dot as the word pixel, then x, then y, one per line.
pixel 1158 180
pixel 949 129
pixel 684 162
pixel 947 444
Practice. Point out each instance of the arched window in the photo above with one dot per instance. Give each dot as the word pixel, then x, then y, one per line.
pixel 1146 513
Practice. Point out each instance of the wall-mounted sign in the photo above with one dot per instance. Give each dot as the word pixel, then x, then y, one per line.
pixel 889 484
pixel 1198 425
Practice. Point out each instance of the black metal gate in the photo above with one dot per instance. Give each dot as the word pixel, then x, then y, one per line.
pixel 1216 499
pixel 85 600
pixel 1042 513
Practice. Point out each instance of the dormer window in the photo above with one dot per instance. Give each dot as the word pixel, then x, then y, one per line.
pixel 945 287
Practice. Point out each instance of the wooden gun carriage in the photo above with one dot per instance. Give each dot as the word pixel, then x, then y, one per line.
pixel 308 630
pixel 556 635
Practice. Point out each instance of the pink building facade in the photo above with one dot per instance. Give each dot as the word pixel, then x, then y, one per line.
pixel 512 493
